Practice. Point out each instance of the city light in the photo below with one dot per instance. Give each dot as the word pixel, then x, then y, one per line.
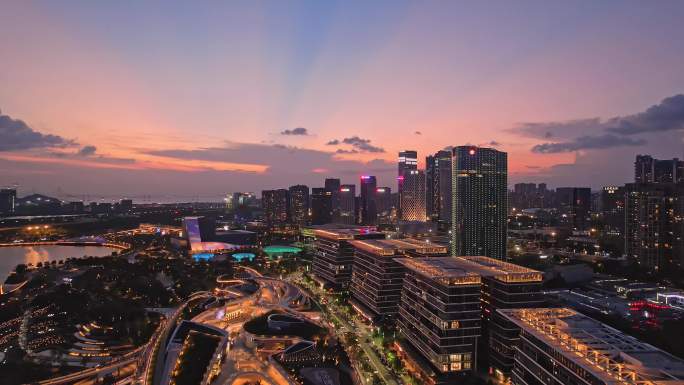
pixel 418 213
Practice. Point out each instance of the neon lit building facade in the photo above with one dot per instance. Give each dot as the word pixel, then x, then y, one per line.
pixel 412 196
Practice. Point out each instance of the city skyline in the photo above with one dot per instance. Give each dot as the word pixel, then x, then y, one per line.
pixel 342 193
pixel 113 99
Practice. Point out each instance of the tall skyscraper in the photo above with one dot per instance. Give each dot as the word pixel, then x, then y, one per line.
pixel 654 230
pixel 321 206
pixel 298 204
pixel 8 197
pixel 333 185
pixel 408 160
pixel 438 186
pixel 347 196
pixel 412 196
pixel 613 210
pixel 479 201
pixel 369 214
pixel 650 170
pixel 275 206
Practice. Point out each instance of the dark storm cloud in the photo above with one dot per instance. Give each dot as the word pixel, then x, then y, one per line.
pixel 557 130
pixel 333 142
pixel 587 143
pixel 362 145
pixel 17 135
pixel 87 150
pixel 299 131
pixel 594 133
pixel 666 116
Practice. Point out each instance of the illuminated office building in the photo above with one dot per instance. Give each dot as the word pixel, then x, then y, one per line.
pixel 650 170
pixel 438 186
pixel 654 229
pixel 376 276
pixel 439 318
pixel 334 256
pixel 298 202
pixel 504 286
pixel 448 303
pixel 408 160
pixel 412 196
pixel 275 206
pixel 479 201
pixel 613 210
pixel 562 346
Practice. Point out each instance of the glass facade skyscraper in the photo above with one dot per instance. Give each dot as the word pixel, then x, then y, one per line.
pixel 408 160
pixel 479 201
pixel 299 204
pixel 412 197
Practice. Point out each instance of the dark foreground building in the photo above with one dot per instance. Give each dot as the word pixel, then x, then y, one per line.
pixel 561 346
pixel 447 305
pixel 439 318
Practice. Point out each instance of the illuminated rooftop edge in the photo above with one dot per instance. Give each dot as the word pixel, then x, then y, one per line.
pixel 451 267
pixel 611 355
pixel 389 247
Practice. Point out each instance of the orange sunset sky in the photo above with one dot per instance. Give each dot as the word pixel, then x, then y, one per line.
pixel 192 100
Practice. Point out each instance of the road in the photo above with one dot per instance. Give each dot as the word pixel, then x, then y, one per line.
pixel 360 330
